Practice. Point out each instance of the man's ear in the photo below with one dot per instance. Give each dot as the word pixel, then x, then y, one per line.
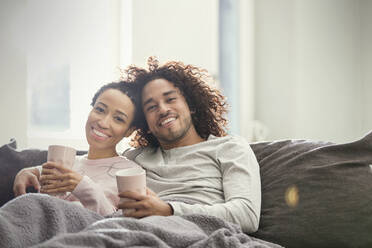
pixel 129 132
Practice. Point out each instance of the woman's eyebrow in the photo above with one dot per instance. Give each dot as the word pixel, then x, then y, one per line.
pixel 122 113
pixel 102 104
pixel 117 111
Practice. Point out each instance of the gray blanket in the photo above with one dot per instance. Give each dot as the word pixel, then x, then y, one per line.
pixel 41 221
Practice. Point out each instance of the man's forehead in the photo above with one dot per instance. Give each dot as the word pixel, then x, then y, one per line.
pixel 159 89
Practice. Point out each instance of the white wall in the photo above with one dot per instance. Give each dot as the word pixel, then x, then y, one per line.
pixel 82 35
pixel 246 72
pixel 308 74
pixel 313 59
pixel 366 53
pixel 13 71
pixel 327 66
pixel 176 30
pixel 274 66
pixel 37 36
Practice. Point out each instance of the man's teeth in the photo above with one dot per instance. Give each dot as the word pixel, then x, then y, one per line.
pixel 99 133
pixel 167 121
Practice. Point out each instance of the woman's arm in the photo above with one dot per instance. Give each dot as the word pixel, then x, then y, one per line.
pixel 93 196
pixel 25 178
pixel 89 193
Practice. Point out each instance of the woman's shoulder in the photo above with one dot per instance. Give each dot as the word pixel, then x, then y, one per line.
pixel 117 160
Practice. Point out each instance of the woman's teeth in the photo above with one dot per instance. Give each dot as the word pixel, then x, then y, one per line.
pixel 98 133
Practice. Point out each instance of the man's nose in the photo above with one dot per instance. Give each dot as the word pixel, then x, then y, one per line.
pixel 163 108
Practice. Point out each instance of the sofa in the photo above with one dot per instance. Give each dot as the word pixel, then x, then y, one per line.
pixel 314 193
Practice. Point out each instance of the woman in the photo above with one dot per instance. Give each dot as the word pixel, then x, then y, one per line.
pixel 91 182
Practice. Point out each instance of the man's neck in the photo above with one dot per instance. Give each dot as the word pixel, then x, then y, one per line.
pixel 181 144
pixel 191 139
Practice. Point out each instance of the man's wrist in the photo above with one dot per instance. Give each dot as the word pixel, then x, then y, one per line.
pixel 171 209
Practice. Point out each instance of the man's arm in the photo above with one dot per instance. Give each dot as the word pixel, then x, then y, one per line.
pixel 241 186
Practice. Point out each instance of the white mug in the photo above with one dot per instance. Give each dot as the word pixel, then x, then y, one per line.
pixel 61 154
pixel 131 179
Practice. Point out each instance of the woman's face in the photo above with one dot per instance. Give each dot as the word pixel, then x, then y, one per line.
pixel 109 121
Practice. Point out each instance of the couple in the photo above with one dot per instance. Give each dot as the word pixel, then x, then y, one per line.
pixel 191 165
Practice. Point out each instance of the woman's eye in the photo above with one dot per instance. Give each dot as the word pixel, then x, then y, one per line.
pixel 99 109
pixel 171 99
pixel 119 119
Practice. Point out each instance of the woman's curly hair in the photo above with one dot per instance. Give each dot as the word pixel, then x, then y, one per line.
pixel 207 105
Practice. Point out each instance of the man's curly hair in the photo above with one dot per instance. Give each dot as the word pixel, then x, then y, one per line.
pixel 207 105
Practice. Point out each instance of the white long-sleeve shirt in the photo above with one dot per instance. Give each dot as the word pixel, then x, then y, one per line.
pixel 97 190
pixel 220 175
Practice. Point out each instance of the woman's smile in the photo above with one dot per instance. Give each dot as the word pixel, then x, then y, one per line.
pixel 99 135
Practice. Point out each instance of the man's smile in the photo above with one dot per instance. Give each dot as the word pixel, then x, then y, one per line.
pixel 167 122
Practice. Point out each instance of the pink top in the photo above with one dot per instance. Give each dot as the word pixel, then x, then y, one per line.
pixel 97 190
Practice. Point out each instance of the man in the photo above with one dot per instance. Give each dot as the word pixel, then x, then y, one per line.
pixel 191 164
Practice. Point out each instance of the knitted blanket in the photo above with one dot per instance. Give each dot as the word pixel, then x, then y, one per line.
pixel 42 221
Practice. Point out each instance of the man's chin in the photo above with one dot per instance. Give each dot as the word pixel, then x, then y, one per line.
pixel 170 138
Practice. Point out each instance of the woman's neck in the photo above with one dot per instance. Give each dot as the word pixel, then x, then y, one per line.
pixel 97 154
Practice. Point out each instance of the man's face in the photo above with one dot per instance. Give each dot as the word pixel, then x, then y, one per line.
pixel 167 113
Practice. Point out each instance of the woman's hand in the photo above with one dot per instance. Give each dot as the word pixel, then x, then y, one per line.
pixel 56 178
pixel 25 178
pixel 145 205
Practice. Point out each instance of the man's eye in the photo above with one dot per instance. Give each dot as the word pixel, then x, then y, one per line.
pixel 152 107
pixel 171 99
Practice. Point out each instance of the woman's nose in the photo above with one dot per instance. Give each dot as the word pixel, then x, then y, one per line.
pixel 104 122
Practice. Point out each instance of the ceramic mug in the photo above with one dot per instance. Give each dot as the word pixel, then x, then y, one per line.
pixel 61 154
pixel 131 179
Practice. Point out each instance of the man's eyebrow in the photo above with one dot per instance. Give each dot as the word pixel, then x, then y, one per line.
pixel 164 94
pixel 148 101
pixel 169 92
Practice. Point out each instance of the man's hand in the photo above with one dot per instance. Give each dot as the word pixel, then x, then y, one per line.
pixel 56 178
pixel 25 178
pixel 145 205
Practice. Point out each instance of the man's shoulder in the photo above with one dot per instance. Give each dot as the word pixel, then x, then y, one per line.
pixel 228 139
pixel 228 143
pixel 131 153
pixel 230 147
